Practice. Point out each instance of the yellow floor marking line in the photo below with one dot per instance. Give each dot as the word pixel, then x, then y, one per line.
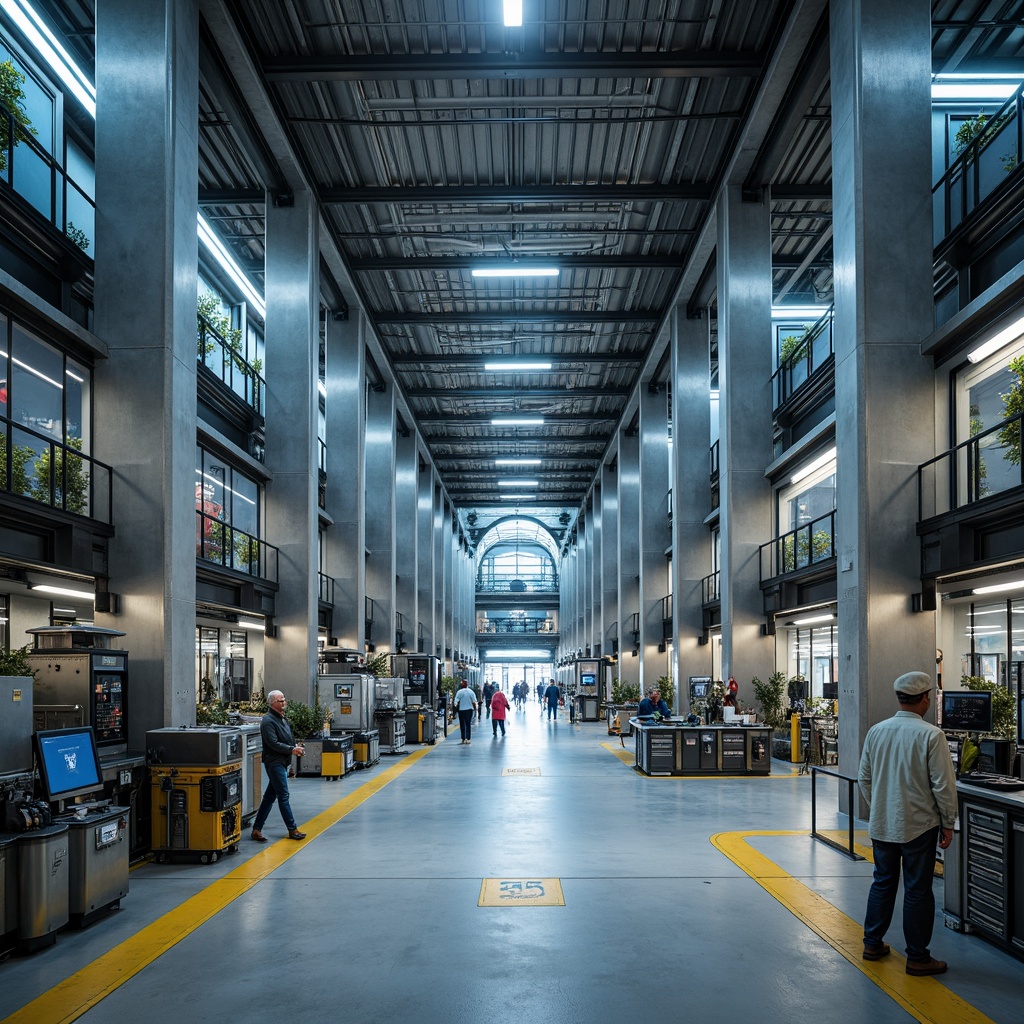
pixel 71 998
pixel 624 754
pixel 521 892
pixel 925 999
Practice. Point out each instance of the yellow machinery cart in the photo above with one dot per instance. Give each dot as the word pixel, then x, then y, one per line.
pixel 196 810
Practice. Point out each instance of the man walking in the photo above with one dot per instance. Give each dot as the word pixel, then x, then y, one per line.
pixel 465 704
pixel 907 778
pixel 278 746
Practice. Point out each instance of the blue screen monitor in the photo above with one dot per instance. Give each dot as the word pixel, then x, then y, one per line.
pixel 967 710
pixel 68 762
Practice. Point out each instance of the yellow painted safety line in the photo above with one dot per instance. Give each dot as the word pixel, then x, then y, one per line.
pixel 925 999
pixel 73 996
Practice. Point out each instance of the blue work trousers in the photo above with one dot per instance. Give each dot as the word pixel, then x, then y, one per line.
pixel 277 790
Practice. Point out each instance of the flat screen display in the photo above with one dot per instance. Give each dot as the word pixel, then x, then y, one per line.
pixel 588 679
pixel 68 762
pixel 698 691
pixel 967 711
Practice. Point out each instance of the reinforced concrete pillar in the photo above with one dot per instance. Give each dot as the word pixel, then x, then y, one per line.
pixel 380 514
pixel 406 539
pixel 425 559
pixel 292 344
pixel 611 617
pixel 629 556
pixel 147 163
pixel 745 444
pixel 882 218
pixel 655 533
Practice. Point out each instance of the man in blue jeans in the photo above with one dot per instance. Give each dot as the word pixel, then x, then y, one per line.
pixel 906 775
pixel 278 746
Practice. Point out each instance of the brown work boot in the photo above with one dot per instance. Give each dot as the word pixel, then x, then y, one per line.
pixel 923 968
pixel 296 834
pixel 258 836
pixel 876 952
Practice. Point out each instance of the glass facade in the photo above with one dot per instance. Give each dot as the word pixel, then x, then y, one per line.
pixel 228 514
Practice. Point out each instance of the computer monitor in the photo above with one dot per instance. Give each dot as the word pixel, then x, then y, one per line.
pixel 68 762
pixel 967 710
pixel 699 687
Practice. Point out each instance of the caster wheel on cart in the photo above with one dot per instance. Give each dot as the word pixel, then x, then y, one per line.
pixel 233 848
pixel 204 858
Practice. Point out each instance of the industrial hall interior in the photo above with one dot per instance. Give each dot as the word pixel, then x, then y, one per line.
pixel 631 387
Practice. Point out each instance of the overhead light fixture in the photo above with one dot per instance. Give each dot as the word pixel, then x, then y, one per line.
pixel 519 497
pixel 799 312
pixel 517 421
pixel 514 655
pixel 45 588
pixel 975 89
pixel 517 462
pixel 515 365
pixel 517 483
pixel 321 387
pixel 231 268
pixel 822 460
pixel 813 618
pixel 514 270
pixel 998 588
pixel 256 624
pixel 997 341
pixel 513 13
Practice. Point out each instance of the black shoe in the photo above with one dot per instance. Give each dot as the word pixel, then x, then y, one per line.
pixel 296 834
pixel 258 836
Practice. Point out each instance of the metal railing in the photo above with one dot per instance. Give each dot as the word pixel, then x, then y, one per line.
pixel 325 590
pixel 711 588
pixel 713 461
pixel 817 770
pixel 993 153
pixel 806 545
pixel 501 583
pixel 517 624
pixel 816 348
pixel 984 465
pixel 224 545
pixel 35 466
pixel 43 183
pixel 230 366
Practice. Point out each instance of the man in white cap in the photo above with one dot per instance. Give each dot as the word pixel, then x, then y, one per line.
pixel 907 778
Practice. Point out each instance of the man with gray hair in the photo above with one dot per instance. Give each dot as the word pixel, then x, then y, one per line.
pixel 907 778
pixel 278 746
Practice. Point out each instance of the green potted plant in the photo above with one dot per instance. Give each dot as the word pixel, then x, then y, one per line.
pixel 12 98
pixel 769 696
pixel 15 663
pixel 792 347
pixel 667 689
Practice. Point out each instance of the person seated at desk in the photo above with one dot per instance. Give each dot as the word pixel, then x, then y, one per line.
pixel 653 705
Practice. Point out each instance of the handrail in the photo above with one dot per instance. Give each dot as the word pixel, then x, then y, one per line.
pixel 73 481
pixel 501 583
pixel 326 588
pixel 220 542
pixel 817 347
pixel 849 851
pixel 711 588
pixel 978 170
pixel 713 456
pixel 519 625
pixel 809 543
pixel 967 477
pixel 215 352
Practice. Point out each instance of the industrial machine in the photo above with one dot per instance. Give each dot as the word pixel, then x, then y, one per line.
pixel 365 748
pixel 421 673
pixel 252 769
pixel 351 699
pixel 389 713
pixel 587 684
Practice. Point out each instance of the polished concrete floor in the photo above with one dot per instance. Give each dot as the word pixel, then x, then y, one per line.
pixel 693 899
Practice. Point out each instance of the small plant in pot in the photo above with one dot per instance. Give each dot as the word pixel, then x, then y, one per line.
pixel 16 663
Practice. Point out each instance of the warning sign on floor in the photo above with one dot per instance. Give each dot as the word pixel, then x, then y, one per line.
pixel 520 771
pixel 521 892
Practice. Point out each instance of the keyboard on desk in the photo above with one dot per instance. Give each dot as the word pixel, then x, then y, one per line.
pixel 1002 783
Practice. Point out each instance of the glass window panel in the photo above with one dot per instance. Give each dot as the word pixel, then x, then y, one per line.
pixel 32 179
pixel 36 392
pixel 30 458
pixel 80 169
pixel 78 403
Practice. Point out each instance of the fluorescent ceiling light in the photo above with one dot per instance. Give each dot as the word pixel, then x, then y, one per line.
pixel 513 13
pixel 799 312
pixel 514 366
pixel 998 341
pixel 998 588
pixel 519 497
pixel 512 655
pixel 517 421
pixel 514 271
pixel 63 591
pixel 251 624
pixel 64 611
pixel 231 268
pixel 321 387
pixel 52 52
pixel 517 483
pixel 977 92
pixel 812 618
pixel 517 462
pixel 821 460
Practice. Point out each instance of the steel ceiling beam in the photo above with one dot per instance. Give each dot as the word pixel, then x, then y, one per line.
pixel 550 316
pixel 232 197
pixel 505 394
pixel 484 419
pixel 555 358
pixel 510 65
pixel 440 460
pixel 483 194
pixel 594 441
pixel 573 262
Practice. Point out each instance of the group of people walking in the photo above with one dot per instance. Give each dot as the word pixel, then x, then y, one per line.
pixel 468 704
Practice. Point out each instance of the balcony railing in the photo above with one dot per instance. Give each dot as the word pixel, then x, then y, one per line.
pixel 509 583
pixel 226 363
pixel 325 592
pixel 713 461
pixel 806 545
pixel 815 349
pixel 711 588
pixel 981 168
pixel 516 625
pixel 43 183
pixel 59 475
pixel 982 466
pixel 222 544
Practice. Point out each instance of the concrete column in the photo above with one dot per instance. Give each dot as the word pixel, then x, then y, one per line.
pixel 611 628
pixel 439 537
pixel 655 532
pixel 881 65
pixel 745 447
pixel 425 561
pixel 449 639
pixel 292 341
pixel 600 644
pixel 346 418
pixel 629 554
pixel 147 160
pixel 406 537
pixel 691 540
pixel 380 514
